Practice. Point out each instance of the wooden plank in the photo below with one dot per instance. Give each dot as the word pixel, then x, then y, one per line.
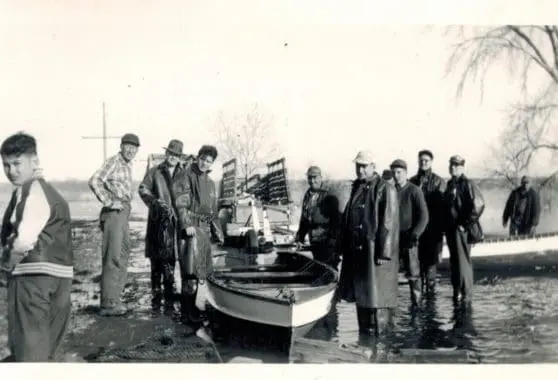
pixel 318 351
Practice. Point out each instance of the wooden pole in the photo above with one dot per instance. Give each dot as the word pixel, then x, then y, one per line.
pixel 104 137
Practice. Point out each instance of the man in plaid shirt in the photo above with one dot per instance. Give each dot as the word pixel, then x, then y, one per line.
pixel 112 185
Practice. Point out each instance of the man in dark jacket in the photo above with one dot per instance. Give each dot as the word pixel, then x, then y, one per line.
pixel 161 239
pixel 369 243
pixel 432 240
pixel 320 219
pixel 413 217
pixel 196 205
pixel 523 209
pixel 464 207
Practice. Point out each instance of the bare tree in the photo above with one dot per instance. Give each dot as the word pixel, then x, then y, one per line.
pixel 248 137
pixel 525 50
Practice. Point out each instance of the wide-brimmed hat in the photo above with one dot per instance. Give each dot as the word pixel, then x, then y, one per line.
pixel 175 147
pixel 364 157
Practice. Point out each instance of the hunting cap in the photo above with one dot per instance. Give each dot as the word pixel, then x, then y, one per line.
pixel 387 174
pixel 399 163
pixel 175 147
pixel 364 157
pixel 130 138
pixel 457 160
pixel 313 171
pixel 426 152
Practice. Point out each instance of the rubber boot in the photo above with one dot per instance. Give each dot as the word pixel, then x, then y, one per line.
pixel 364 318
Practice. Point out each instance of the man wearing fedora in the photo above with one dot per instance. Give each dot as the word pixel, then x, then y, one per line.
pixel 320 219
pixel 464 206
pixel 413 217
pixel 112 185
pixel 161 239
pixel 369 243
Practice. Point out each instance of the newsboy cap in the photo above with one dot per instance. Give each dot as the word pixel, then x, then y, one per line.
pixel 130 138
pixel 364 157
pixel 457 160
pixel 313 171
pixel 399 163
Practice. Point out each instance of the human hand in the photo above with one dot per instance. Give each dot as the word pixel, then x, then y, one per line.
pixel 505 223
pixel 381 261
pixel 533 230
pixel 190 231
pixel 116 205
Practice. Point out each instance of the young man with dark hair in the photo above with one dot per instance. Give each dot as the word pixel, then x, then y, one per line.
pixel 37 255
pixel 112 185
pixel 196 205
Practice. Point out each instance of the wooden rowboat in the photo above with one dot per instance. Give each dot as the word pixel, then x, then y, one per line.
pixel 280 295
pixel 504 246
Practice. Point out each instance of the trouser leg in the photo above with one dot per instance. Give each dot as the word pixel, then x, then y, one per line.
pixel 364 319
pixel 168 279
pixel 115 251
pixel 412 271
pixel 382 320
pixel 39 311
pixel 189 281
pixel 156 275
pixel 461 266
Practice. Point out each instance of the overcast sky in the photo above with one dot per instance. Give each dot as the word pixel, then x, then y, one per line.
pixel 166 68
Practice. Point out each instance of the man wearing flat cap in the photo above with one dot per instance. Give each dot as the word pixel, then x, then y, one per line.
pixel 413 218
pixel 522 210
pixel 112 185
pixel 199 227
pixel 320 219
pixel 464 206
pixel 369 243
pixel 432 240
pixel 161 239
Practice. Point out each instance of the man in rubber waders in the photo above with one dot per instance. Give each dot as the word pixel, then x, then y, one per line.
pixel 369 243
pixel 432 240
pixel 523 209
pixel 464 206
pixel 161 238
pixel 413 217
pixel 196 204
pixel 320 219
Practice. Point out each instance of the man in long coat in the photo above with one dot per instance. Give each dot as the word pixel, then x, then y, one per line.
pixel 464 206
pixel 369 243
pixel 161 239
pixel 320 219
pixel 522 210
pixel 432 240
pixel 196 204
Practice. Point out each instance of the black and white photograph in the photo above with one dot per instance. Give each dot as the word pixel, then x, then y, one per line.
pixel 278 182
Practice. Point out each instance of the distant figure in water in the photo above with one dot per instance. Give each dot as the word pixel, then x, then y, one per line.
pixel 522 210
pixel 320 219
pixel 369 243
pixel 464 206
pixel 161 238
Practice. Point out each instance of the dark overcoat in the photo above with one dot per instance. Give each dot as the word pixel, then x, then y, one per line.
pixel 370 231
pixel 532 213
pixel 157 185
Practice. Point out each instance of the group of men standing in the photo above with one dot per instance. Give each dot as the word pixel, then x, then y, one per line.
pixel 393 222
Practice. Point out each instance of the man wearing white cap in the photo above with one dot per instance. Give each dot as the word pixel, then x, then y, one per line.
pixel 369 243
pixel 464 207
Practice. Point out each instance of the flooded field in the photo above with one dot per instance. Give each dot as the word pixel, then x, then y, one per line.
pixel 514 318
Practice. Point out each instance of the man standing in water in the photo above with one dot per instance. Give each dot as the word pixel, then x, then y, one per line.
pixel 464 207
pixel 112 185
pixel 320 219
pixel 413 217
pixel 196 204
pixel 523 209
pixel 369 243
pixel 37 256
pixel 161 239
pixel 432 240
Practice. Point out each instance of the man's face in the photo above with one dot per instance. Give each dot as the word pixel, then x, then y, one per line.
pixel 172 159
pixel 364 171
pixel 314 181
pixel 205 163
pixel 19 169
pixel 400 175
pixel 424 162
pixel 128 151
pixel 455 170
pixel 526 184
